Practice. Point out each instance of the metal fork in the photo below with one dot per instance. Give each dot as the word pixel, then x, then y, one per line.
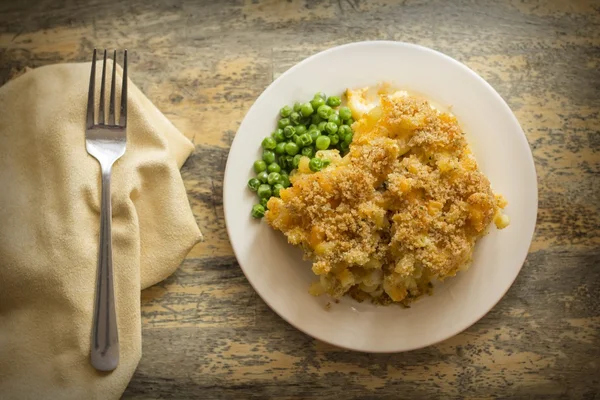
pixel 106 143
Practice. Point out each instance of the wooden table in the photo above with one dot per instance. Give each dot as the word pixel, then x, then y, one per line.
pixel 206 332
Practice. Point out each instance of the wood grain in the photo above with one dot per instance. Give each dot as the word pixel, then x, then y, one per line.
pixel 207 334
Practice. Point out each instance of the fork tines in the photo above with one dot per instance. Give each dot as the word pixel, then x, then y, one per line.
pixel 111 107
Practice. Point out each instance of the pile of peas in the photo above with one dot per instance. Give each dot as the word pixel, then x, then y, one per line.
pixel 302 130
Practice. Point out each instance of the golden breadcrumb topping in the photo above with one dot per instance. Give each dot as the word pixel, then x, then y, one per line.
pixel 405 205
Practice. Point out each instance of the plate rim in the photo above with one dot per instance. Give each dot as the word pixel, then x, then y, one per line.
pixel 522 138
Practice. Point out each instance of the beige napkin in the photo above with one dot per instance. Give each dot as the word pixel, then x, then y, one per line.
pixel 49 227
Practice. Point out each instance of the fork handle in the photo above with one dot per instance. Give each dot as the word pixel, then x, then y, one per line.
pixel 105 337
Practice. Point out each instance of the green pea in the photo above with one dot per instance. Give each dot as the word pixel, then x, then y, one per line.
pixel 350 121
pixel 335 119
pixel 344 130
pixel 263 202
pixel 300 129
pixel 322 142
pixel 308 151
pixel 278 136
pixel 259 166
pixel 277 188
pixel 334 139
pixel 289 131
pixel 315 164
pixel 269 143
pixel 285 111
pixel 262 176
pixel 283 122
pixel 295 118
pixel 291 148
pixel 345 113
pixel 274 167
pixel 295 140
pixel 307 109
pixel 305 139
pixel 322 125
pixel 315 118
pixel 296 161
pixel 348 138
pixel 273 178
pixel 282 161
pixel 331 128
pixel 264 191
pixel 280 148
pixel 342 136
pixel 324 111
pixel 314 134
pixel 305 121
pixel 317 102
pixel 333 101
pixel 258 211
pixel 285 181
pixel 253 184
pixel 297 106
pixel 320 95
pixel 268 156
pixel 344 146
pixel 326 162
pixel 289 161
pixel 312 126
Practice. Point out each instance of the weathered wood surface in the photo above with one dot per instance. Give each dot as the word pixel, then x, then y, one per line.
pixel 207 334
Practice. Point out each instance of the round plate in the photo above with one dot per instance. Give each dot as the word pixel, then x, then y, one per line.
pixel 276 269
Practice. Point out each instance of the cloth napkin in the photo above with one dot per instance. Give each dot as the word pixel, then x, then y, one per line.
pixel 49 231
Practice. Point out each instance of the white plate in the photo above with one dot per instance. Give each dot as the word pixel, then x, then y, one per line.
pixel 276 269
